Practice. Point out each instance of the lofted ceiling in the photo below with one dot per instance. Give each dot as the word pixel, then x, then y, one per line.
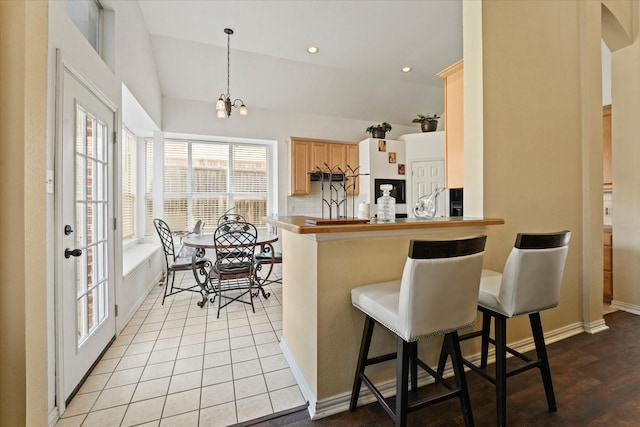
pixel 356 75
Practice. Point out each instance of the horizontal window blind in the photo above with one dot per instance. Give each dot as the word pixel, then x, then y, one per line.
pixel 148 186
pixel 204 180
pixel 128 185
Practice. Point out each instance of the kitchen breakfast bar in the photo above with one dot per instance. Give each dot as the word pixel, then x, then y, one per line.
pixel 321 329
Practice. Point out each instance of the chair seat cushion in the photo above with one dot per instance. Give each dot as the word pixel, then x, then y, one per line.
pixel 490 291
pixel 380 301
pixel 185 263
pixel 270 257
pixel 232 269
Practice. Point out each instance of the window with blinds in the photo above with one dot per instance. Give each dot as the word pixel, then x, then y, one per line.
pixel 128 185
pixel 148 186
pixel 203 180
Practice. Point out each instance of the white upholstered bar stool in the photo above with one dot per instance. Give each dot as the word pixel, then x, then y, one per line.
pixel 437 295
pixel 529 284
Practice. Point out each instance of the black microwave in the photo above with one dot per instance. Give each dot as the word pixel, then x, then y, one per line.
pixel 398 191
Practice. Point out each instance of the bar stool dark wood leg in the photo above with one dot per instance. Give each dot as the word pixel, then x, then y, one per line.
pixel 500 323
pixel 453 343
pixel 367 332
pixel 541 352
pixel 402 381
pixel 486 329
pixel 414 365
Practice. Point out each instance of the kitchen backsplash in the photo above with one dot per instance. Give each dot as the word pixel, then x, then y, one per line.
pixel 311 205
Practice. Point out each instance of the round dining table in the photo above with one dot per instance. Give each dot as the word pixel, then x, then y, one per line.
pixel 265 241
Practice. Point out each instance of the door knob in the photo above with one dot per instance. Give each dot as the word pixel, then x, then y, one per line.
pixel 69 253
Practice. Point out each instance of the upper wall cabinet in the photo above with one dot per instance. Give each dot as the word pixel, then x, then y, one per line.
pixel 307 155
pixel 453 125
pixel 300 155
pixel 606 148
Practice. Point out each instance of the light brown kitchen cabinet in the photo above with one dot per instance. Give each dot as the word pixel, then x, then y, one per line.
pixel 607 288
pixel 353 160
pixel 300 157
pixel 319 155
pixel 453 125
pixel 307 153
pixel 337 156
pixel 606 146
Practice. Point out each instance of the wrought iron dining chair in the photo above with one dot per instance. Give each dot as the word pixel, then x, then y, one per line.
pixel 235 265
pixel 186 251
pixel 175 261
pixel 230 216
pixel 269 258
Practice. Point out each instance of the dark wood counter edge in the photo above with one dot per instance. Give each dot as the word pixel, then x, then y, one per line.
pixel 297 224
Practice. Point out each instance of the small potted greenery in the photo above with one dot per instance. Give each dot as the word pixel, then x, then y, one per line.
pixel 379 131
pixel 428 123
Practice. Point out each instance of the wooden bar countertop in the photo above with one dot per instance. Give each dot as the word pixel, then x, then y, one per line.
pixel 299 225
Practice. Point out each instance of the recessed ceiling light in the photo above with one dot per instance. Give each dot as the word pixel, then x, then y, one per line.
pixel 406 69
pixel 313 50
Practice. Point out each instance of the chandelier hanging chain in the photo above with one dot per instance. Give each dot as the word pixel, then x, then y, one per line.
pixel 228 59
pixel 224 104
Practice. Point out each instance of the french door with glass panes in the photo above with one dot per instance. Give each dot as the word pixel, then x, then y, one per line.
pixel 85 197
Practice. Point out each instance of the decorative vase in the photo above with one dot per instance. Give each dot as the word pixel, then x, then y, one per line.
pixel 378 133
pixel 429 125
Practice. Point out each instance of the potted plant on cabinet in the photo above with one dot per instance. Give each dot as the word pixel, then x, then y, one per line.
pixel 379 131
pixel 428 123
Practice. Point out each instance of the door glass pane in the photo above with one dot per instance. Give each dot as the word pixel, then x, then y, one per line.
pixel 100 137
pixel 80 274
pixel 91 222
pixel 92 297
pixel 90 182
pixel 100 174
pixel 88 136
pixel 80 173
pixel 79 229
pixel 81 316
pixel 101 222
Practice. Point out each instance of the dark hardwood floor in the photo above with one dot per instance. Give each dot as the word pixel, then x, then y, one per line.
pixel 596 380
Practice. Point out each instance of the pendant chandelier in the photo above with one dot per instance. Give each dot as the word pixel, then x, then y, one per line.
pixel 224 104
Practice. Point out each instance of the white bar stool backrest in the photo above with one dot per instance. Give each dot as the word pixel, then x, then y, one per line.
pixel 533 273
pixel 439 287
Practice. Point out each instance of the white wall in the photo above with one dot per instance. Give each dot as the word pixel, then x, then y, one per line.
pixel 134 63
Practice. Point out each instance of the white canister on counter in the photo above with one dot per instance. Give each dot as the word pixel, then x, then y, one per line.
pixel 363 210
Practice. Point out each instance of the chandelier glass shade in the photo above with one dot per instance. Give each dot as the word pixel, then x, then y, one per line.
pixel 224 103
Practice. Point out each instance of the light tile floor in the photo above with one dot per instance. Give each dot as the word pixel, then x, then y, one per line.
pixel 179 365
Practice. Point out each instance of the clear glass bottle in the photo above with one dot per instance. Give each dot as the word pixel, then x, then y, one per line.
pixel 386 205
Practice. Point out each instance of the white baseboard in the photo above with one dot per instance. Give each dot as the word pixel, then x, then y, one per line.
pixel 629 308
pixel 595 327
pixel 340 402
pixel 124 318
pixel 53 417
